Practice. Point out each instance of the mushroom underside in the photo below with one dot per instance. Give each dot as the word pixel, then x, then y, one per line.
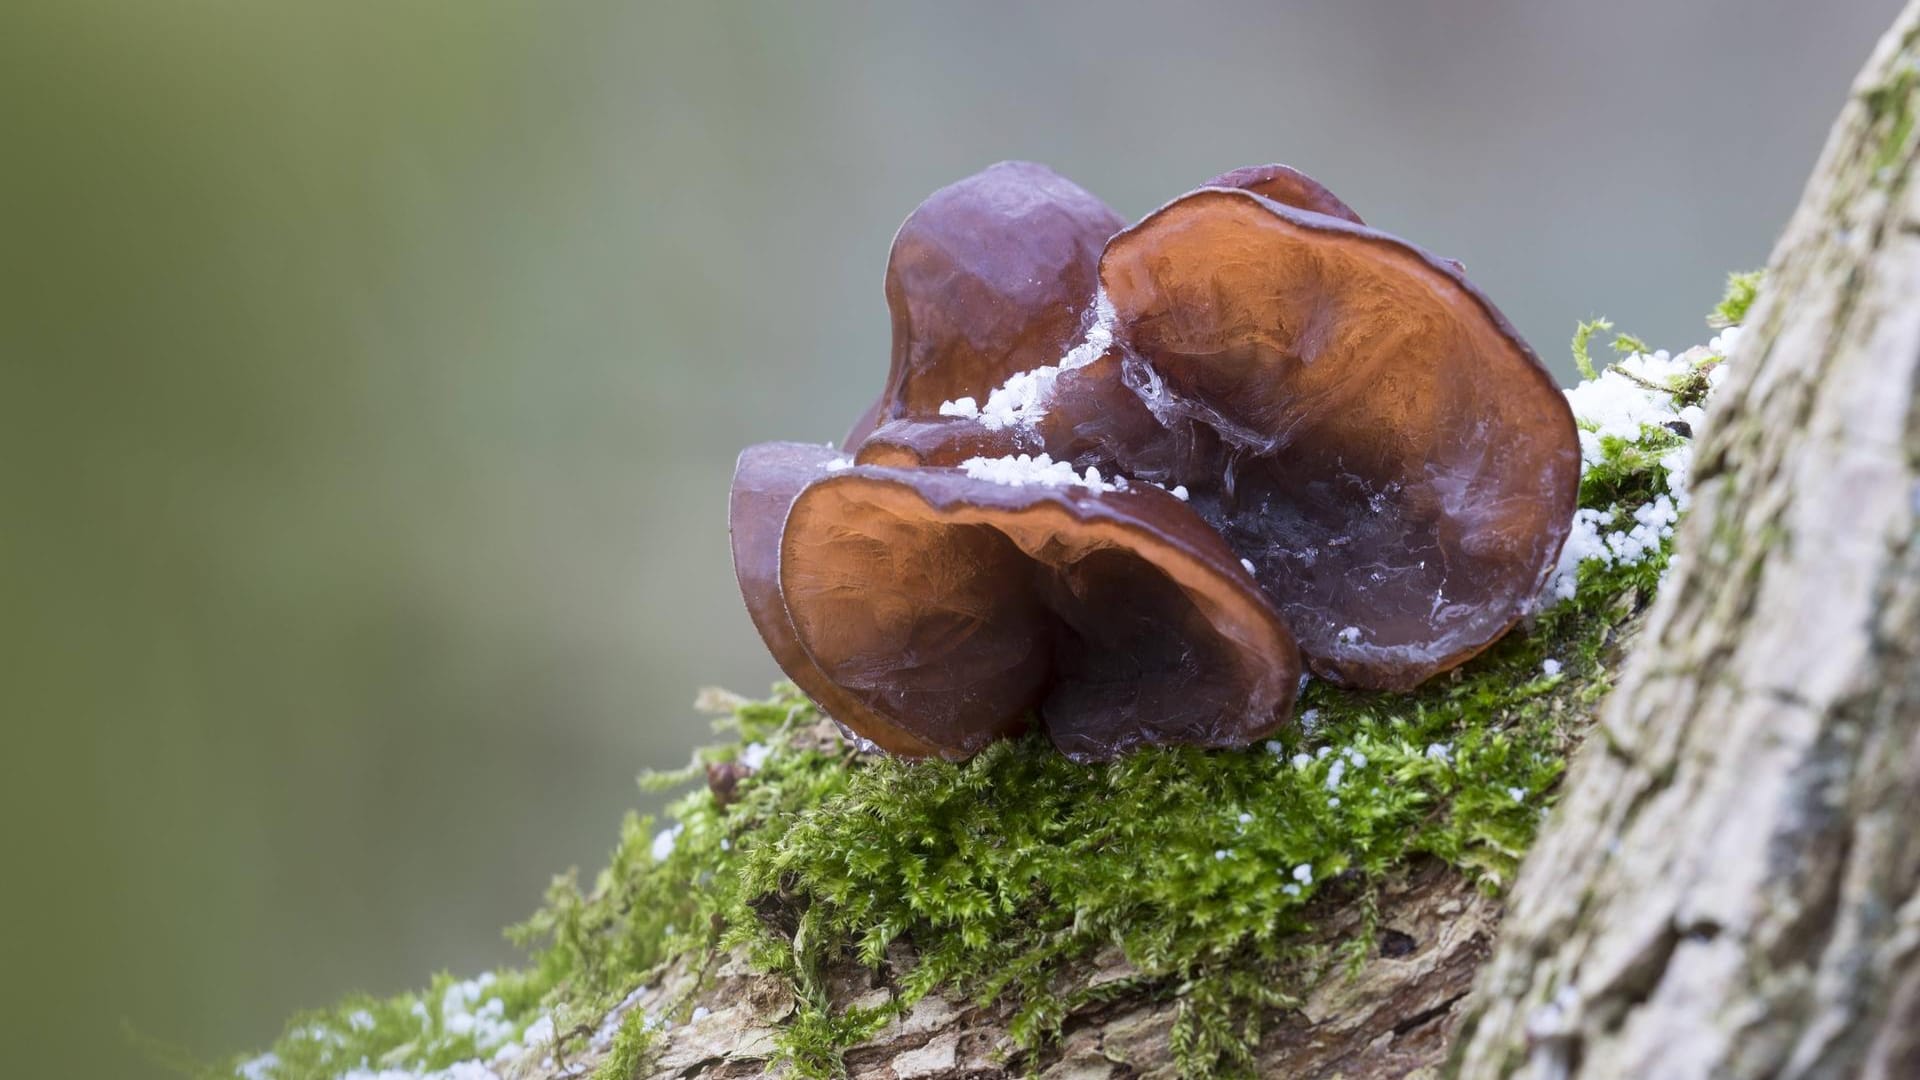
pixel 955 608
pixel 1390 456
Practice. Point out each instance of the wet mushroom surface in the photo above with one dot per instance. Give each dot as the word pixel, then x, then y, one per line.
pixel 990 276
pixel 1124 484
pixel 766 480
pixel 1395 461
pixel 955 607
pixel 1287 186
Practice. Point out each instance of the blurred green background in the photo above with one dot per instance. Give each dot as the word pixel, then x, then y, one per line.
pixel 371 375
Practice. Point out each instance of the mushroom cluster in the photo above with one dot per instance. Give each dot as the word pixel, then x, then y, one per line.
pixel 1130 482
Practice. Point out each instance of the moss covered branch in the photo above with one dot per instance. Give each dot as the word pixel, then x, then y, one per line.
pixel 1321 901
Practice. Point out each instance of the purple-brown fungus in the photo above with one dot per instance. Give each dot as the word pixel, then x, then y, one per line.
pixel 1288 187
pixel 1393 459
pixel 953 604
pixel 1125 483
pixel 989 277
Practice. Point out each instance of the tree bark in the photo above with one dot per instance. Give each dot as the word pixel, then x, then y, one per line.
pixel 1731 884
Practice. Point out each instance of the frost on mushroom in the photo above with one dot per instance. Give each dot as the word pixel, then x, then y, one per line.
pixel 989 277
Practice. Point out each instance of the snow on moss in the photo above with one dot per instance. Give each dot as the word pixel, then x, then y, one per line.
pixel 1649 404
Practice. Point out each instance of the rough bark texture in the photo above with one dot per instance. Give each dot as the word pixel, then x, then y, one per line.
pixel 1731 885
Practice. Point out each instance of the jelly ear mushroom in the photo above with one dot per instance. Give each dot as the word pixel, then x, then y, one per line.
pixel 765 482
pixel 988 277
pixel 950 609
pixel 1288 187
pixel 1401 470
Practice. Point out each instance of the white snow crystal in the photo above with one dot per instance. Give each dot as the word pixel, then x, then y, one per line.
pixel 663 842
pixel 1335 774
pixel 463 1013
pixel 539 1032
pixel 1550 666
pixel 1303 873
pixel 1639 392
pixel 1023 398
pixel 754 755
pixel 1350 634
pixel 1023 469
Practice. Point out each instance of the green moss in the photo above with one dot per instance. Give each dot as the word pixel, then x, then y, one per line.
pixel 1623 344
pixel 634 1047
pixel 1008 873
pixel 410 1030
pixel 1732 308
pixel 1582 342
pixel 1891 105
pixel 1005 871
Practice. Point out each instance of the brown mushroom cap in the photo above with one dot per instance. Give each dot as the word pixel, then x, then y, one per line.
pixel 1395 461
pixel 765 481
pixel 988 277
pixel 1287 186
pixel 950 608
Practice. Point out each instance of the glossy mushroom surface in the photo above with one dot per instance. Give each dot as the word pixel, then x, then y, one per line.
pixel 766 479
pixel 1393 459
pixel 951 608
pixel 990 276
pixel 1287 186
